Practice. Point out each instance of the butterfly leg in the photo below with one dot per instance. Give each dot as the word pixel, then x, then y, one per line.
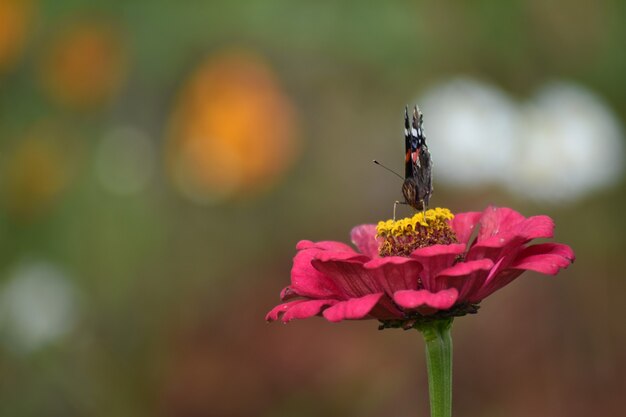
pixel 394 208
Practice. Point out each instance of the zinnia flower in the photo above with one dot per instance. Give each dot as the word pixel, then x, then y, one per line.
pixel 431 266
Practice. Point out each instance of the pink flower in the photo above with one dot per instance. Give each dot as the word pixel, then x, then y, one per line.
pixel 474 254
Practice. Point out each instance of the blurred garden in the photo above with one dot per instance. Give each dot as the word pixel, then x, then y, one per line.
pixel 160 160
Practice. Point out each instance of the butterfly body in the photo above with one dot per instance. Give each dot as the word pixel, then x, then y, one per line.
pixel 417 187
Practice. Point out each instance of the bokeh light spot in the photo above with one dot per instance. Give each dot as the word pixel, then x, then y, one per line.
pixel 471 129
pixel 125 160
pixel 37 305
pixel 85 65
pixel 15 19
pixel 37 169
pixel 559 146
pixel 233 129
pixel 572 143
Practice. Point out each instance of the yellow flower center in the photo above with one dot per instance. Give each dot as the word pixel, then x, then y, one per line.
pixel 401 237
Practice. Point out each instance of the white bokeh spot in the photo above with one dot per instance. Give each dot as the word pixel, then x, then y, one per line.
pixel 470 129
pixel 561 145
pixel 125 160
pixel 37 305
pixel 570 144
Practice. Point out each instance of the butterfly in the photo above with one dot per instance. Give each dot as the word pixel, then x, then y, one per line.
pixel 417 186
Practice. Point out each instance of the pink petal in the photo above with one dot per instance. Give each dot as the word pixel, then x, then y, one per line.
pixel 435 259
pixel 536 227
pixel 306 309
pixel 364 238
pixel 280 309
pixel 326 245
pixel 340 256
pixel 466 277
pixel 498 223
pixel 352 309
pixel 546 258
pixel 287 294
pixel 463 225
pixel 497 220
pixel 497 279
pixel 512 234
pixel 356 278
pixel 349 276
pixel 466 268
pixel 414 300
pixel 395 273
pixel 307 281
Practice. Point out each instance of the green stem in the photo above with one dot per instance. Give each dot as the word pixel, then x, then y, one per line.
pixel 439 362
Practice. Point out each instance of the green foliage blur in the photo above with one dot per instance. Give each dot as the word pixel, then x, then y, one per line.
pixel 150 203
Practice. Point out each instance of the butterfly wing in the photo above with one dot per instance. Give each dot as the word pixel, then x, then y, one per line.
pixel 417 187
pixel 424 176
pixel 409 162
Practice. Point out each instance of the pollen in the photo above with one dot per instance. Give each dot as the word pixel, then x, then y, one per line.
pixel 401 237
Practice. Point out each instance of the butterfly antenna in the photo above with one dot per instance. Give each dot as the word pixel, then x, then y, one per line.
pixel 388 169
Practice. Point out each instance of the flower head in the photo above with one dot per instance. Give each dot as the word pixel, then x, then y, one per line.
pixel 430 266
pixel 401 237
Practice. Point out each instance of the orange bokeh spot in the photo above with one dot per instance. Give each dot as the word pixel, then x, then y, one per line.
pixel 15 18
pixel 85 65
pixel 233 129
pixel 36 170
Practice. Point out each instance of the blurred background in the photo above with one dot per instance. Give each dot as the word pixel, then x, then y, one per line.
pixel 159 161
